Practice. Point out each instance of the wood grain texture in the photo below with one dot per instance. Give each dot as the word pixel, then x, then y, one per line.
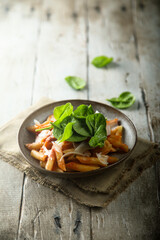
pixel 18 31
pixel 42 42
pixel 116 33
pixel 60 51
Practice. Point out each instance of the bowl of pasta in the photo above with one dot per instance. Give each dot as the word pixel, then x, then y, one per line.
pixel 76 138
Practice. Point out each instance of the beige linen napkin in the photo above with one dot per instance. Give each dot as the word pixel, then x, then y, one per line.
pixel 94 191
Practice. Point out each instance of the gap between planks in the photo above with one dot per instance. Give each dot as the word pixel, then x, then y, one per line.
pixel 145 101
pixel 31 102
pixel 87 45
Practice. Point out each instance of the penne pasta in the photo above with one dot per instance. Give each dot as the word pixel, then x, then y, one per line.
pixel 80 156
pixel 92 161
pixel 117 143
pixel 112 159
pixel 81 167
pixel 43 164
pixel 59 156
pixel 38 155
pixel 51 160
pixel 117 131
pixel 34 145
pixel 31 129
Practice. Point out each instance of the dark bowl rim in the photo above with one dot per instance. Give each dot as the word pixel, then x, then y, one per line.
pixel 76 174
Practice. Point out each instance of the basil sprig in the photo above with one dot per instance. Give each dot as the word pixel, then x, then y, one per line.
pixel 125 100
pixel 101 61
pixel 81 124
pixel 75 82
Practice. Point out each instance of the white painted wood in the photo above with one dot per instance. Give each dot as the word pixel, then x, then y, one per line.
pixel 43 41
pixel 18 36
pixel 46 213
pixel 61 51
pixel 114 36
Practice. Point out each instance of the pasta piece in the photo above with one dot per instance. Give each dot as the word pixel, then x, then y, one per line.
pixel 50 163
pixel 92 161
pixel 43 135
pixel 31 129
pixel 34 145
pixel 56 168
pixel 104 150
pixel 81 167
pixel 117 143
pixel 117 131
pixel 51 160
pixel 48 142
pixel 112 159
pixel 43 164
pixel 59 156
pixel 38 155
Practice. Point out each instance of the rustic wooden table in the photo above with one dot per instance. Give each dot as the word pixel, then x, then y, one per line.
pixel 43 41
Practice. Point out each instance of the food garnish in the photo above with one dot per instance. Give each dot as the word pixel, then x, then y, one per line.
pixel 125 100
pixel 101 61
pixel 75 82
pixel 76 140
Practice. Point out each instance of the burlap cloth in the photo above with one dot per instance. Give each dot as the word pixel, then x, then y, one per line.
pixel 94 191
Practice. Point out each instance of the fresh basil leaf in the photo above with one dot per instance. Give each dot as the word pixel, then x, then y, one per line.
pixel 81 128
pixel 79 125
pixel 97 126
pixel 83 111
pixel 99 137
pixel 61 112
pixel 90 121
pixel 67 132
pixel 57 132
pixel 101 61
pixel 75 82
pixel 65 121
pixel 76 138
pixel 125 100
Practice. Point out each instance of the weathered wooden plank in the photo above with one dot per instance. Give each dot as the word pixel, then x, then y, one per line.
pixel 112 33
pixel 148 36
pixel 61 51
pixel 47 214
pixel 149 51
pixel 18 31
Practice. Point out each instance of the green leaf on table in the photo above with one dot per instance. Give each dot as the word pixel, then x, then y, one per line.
pixel 125 100
pixel 75 82
pixel 101 61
